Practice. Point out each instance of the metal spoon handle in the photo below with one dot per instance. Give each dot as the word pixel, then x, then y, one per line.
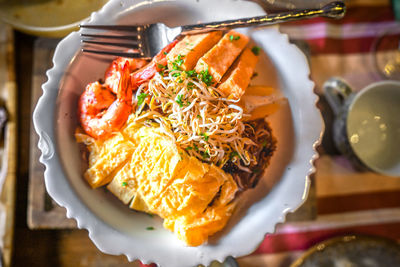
pixel 332 10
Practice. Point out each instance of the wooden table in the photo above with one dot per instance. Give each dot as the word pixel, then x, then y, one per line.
pixel 342 197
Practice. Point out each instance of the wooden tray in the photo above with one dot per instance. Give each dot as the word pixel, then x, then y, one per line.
pixel 43 212
pixel 8 144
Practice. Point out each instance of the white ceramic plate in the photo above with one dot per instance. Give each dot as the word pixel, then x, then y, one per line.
pixel 113 227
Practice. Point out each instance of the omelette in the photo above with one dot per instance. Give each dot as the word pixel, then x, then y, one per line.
pixel 150 173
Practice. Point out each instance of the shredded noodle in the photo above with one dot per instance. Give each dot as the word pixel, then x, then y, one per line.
pixel 198 117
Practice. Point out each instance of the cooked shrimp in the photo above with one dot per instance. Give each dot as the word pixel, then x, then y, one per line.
pixel 148 72
pixel 101 112
pixel 113 73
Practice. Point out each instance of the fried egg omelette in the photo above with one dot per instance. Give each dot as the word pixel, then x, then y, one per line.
pixel 151 173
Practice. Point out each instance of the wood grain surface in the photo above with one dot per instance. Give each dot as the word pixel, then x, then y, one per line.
pixel 43 212
pixel 8 144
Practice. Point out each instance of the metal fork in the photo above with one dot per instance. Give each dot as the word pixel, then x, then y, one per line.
pixel 145 41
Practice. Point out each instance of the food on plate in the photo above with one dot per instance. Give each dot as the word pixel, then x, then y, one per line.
pixel 176 136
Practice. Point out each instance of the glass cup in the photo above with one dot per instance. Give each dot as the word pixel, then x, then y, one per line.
pixel 367 124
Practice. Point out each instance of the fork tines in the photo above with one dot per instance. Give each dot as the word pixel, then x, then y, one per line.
pixel 97 43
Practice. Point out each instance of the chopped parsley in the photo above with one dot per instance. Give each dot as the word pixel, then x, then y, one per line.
pixel 124 183
pixel 264 143
pixel 176 65
pixel 205 136
pixel 150 228
pixel 190 85
pixel 189 148
pixel 165 53
pixel 176 74
pixel 205 154
pixel 161 66
pixel 234 38
pixel 256 50
pixel 199 117
pixel 205 76
pixel 196 148
pixel 190 73
pixel 140 98
pixel 233 154
pixel 178 100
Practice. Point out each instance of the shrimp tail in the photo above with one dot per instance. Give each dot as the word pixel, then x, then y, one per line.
pixel 146 73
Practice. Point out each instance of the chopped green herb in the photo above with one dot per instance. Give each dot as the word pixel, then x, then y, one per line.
pixel 160 66
pixel 165 53
pixel 124 183
pixel 180 80
pixel 198 116
pixel 205 76
pixel 178 100
pixel 205 154
pixel 256 50
pixel 205 136
pixel 190 73
pixel 140 98
pixel 189 148
pixel 150 228
pixel 176 74
pixel 234 38
pixel 176 65
pixel 190 85
pixel 196 147
pixel 179 60
pixel 233 154
pixel 264 143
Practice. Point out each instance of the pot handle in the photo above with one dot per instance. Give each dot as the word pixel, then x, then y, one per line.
pixel 336 91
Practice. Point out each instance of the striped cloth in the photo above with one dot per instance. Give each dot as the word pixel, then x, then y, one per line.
pixel 347 201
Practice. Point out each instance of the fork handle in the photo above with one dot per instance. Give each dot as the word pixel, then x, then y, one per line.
pixel 332 10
